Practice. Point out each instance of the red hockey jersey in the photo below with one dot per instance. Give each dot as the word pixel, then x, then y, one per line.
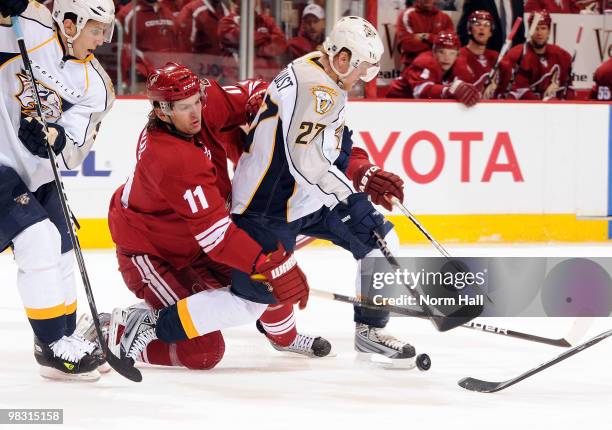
pixel 175 204
pixel 540 77
pixel 198 24
pixel 602 90
pixel 473 68
pixel 412 21
pixel 424 79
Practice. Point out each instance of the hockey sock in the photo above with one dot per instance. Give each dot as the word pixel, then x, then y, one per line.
pixel 200 353
pixel 169 327
pixel 70 319
pixel 278 322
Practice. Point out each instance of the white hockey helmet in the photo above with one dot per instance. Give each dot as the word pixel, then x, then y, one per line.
pixel 99 10
pixel 361 38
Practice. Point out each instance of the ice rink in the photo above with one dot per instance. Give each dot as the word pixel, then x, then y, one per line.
pixel 256 387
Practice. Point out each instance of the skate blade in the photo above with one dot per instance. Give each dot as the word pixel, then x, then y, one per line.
pixel 287 353
pixel 58 375
pixel 104 368
pixel 385 362
pixel 114 340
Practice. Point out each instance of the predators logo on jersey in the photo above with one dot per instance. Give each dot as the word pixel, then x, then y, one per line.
pixel 324 98
pixel 51 101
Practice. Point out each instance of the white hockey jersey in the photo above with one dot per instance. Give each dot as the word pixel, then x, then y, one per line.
pixel 75 94
pixel 287 170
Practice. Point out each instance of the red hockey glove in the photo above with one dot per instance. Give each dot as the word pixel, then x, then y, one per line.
pixel 283 277
pixel 377 183
pixel 466 93
pixel 255 100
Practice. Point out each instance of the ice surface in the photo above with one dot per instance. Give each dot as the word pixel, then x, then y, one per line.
pixel 256 387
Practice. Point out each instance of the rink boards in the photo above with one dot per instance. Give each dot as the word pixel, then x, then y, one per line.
pixel 498 172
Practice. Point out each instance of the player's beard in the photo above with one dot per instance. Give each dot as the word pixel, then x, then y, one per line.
pixel 476 41
pixel 538 45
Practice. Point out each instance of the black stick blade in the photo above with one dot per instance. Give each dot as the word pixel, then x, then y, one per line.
pixel 480 386
pixel 125 367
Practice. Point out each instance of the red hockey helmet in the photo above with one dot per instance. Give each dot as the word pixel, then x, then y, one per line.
pixel 544 18
pixel 446 39
pixel 480 15
pixel 172 82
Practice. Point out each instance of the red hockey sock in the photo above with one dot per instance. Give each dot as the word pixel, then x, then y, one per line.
pixel 201 353
pixel 279 323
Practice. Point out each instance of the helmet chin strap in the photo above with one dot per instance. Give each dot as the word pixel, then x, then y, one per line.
pixel 341 76
pixel 69 41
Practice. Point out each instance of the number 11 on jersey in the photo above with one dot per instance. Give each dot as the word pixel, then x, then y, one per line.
pixel 190 197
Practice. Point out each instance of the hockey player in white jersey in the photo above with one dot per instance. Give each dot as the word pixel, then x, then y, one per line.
pixel 75 93
pixel 287 181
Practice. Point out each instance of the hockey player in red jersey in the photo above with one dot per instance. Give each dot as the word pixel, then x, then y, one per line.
pixel 602 90
pixel 433 76
pixel 176 244
pixel 475 61
pixel 542 73
pixel 417 27
pixel 198 22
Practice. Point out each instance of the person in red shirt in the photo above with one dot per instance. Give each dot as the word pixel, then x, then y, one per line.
pixel 602 90
pixel 270 42
pixel 176 244
pixel 475 61
pixel 417 27
pixel 565 6
pixel 542 73
pixel 156 31
pixel 198 22
pixel 432 75
pixel 312 32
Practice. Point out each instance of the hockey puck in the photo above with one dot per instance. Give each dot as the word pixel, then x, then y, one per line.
pixel 423 362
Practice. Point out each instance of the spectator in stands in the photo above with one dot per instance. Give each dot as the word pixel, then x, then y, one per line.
pixel 432 76
pixel 475 61
pixel 156 32
pixel 270 42
pixel 504 14
pixel 198 23
pixel 543 72
pixel 602 90
pixel 565 6
pixel 311 34
pixel 417 27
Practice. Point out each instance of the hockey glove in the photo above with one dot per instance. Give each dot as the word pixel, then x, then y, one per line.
pixel 465 93
pixel 342 161
pixel 280 272
pixel 255 100
pixel 33 136
pixel 379 184
pixel 355 222
pixel 12 7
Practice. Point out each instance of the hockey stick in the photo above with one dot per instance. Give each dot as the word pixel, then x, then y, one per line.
pixel 441 322
pixel 577 331
pixel 503 51
pixel 395 202
pixel 125 366
pixel 482 386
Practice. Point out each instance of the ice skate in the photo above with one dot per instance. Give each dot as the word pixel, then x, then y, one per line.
pixel 85 327
pixel 376 345
pixel 309 346
pixel 68 359
pixel 131 330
